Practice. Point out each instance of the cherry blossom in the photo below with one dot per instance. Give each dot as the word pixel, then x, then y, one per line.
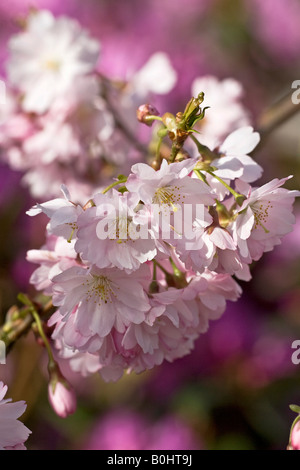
pixel 264 218
pixel 54 257
pixel 62 212
pixel 93 301
pixel 234 161
pixel 111 235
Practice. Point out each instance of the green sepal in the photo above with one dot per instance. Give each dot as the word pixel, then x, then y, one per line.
pixel 295 408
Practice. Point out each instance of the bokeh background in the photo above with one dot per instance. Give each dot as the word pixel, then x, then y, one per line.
pixel 234 390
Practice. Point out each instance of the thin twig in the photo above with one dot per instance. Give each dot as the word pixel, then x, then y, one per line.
pixel 20 323
pixel 277 114
pixel 118 121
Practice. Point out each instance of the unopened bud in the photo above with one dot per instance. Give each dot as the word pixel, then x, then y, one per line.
pixel 145 114
pixel 61 394
pixel 295 437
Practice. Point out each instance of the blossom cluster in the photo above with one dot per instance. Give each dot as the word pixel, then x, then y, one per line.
pixel 63 120
pixel 143 248
pixel 139 270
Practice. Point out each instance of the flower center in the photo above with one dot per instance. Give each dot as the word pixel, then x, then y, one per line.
pixel 261 214
pixel 119 229
pixel 99 290
pixel 168 196
pixel 52 64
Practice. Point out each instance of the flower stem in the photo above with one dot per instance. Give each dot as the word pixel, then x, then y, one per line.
pixel 176 147
pixel 156 263
pixel 200 175
pixel 202 149
pixel 43 336
pixel 115 183
pixel 19 320
pixel 238 197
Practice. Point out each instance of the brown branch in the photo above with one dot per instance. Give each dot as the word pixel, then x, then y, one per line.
pixel 118 121
pixel 277 114
pixel 19 320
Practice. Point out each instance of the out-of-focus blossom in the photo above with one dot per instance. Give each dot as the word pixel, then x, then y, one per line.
pixel 13 433
pixel 86 125
pixel 269 19
pixel 137 343
pixel 62 213
pixel 234 161
pixel 156 76
pixel 97 300
pixel 47 57
pixel 127 430
pixel 226 111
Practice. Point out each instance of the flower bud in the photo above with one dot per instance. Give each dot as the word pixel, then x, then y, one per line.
pixel 145 112
pixel 61 395
pixel 295 437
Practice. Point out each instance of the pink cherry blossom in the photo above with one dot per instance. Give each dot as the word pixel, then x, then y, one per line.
pixel 53 257
pixel 156 76
pixel 63 214
pixel 47 57
pixel 234 161
pixel 111 235
pixel 169 186
pixel 212 247
pixel 264 218
pixel 92 301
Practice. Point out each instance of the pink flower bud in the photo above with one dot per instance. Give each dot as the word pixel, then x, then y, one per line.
pixel 62 398
pixel 295 436
pixel 144 113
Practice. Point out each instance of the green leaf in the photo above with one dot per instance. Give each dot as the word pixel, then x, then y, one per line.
pixel 295 408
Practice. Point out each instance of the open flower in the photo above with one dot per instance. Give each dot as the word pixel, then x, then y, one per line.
pixel 47 57
pixel 170 195
pixel 53 257
pixel 62 213
pixel 13 433
pixel 110 234
pixel 264 218
pixel 234 161
pixel 92 301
